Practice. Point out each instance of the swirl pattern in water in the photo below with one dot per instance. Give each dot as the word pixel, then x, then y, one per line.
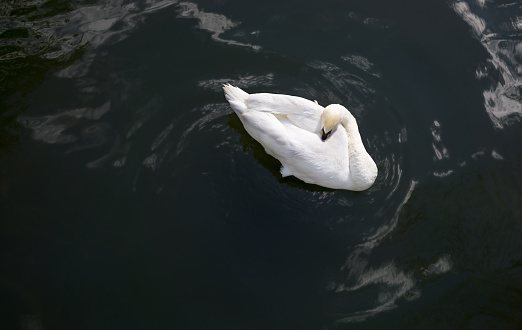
pixel 128 180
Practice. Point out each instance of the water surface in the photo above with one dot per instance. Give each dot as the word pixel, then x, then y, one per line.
pixel 132 198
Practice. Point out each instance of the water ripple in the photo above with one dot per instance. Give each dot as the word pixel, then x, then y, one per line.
pixel 245 81
pixel 217 24
pixel 503 101
pixel 345 82
pixel 32 28
pixel 212 111
pixel 391 283
pixel 51 128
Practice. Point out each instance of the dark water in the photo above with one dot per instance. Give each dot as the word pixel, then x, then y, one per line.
pixel 132 198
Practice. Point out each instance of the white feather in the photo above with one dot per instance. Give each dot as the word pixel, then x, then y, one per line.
pixel 289 127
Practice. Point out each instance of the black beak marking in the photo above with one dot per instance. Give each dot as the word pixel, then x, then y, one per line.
pixel 324 135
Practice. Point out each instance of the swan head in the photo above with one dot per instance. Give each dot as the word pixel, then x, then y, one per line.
pixel 331 117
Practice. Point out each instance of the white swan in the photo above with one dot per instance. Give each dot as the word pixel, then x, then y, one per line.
pixel 306 138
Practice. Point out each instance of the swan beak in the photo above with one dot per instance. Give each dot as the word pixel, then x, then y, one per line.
pixel 324 135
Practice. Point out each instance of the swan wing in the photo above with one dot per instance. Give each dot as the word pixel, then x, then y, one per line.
pixel 301 112
pixel 312 160
pixel 301 153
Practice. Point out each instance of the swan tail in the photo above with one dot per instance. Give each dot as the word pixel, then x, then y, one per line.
pixel 236 97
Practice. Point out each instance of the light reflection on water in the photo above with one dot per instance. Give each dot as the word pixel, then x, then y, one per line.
pixel 501 39
pixel 214 23
pixel 393 284
pixel 160 137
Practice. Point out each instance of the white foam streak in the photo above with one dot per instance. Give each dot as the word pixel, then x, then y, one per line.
pixel 50 128
pixel 496 155
pixel 396 284
pixel 443 174
pixel 438 147
pixel 503 102
pixel 403 135
pixel 441 266
pixel 97 22
pixel 476 22
pixel 389 283
pixel 361 62
pixel 215 23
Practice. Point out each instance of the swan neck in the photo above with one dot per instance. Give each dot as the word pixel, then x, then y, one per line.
pixel 350 125
pixel 362 169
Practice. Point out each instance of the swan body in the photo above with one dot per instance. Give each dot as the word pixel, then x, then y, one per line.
pixel 315 144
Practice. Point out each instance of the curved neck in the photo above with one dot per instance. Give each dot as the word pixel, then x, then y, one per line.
pixel 352 131
pixel 359 172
